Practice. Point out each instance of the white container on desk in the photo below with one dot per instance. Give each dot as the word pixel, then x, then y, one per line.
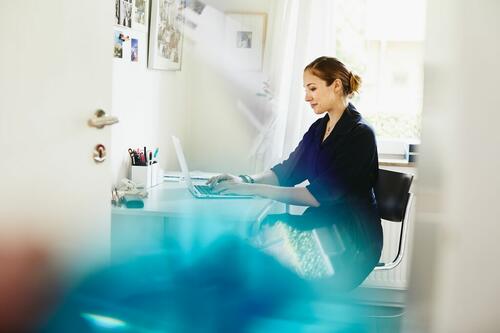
pixel 145 176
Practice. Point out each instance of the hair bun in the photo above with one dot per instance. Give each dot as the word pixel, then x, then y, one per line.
pixel 354 83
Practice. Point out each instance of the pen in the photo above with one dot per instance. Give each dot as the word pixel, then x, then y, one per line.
pixel 145 156
pixel 156 152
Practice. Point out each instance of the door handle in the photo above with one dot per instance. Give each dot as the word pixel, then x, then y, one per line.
pixel 100 120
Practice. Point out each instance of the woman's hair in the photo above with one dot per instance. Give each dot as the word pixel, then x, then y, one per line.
pixel 329 69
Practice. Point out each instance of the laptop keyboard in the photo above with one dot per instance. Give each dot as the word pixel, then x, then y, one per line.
pixel 204 189
pixel 207 190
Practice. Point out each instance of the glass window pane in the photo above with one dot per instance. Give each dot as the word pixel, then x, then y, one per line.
pixel 387 51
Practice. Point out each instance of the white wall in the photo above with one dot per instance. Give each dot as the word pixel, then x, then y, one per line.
pixel 223 105
pixel 455 275
pixel 151 106
pixel 207 104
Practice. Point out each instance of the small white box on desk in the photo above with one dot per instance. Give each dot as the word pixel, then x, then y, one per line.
pixel 145 175
pixel 156 178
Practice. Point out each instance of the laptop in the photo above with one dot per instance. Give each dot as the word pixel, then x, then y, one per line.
pixel 199 191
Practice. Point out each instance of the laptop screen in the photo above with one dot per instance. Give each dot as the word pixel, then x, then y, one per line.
pixel 182 160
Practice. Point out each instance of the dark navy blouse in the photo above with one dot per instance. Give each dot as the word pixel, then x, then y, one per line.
pixel 342 171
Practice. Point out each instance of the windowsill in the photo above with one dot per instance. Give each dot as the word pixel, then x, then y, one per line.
pixel 396 162
pixel 397 152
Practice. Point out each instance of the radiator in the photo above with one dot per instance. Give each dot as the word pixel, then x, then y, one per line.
pixel 396 278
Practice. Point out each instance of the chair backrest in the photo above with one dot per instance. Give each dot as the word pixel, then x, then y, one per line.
pixel 392 192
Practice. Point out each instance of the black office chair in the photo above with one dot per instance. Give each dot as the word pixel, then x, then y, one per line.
pixel 394 201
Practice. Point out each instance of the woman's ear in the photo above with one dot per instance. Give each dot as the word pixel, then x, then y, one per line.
pixel 337 86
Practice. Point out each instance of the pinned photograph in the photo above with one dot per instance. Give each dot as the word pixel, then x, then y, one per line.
pixel 244 39
pixel 134 51
pixel 118 47
pixel 123 37
pixel 117 11
pixel 126 13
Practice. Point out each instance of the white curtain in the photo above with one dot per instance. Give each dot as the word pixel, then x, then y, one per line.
pixel 300 31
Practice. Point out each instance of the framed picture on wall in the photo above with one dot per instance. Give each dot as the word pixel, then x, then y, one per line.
pixel 245 38
pixel 132 14
pixel 166 34
pixel 140 15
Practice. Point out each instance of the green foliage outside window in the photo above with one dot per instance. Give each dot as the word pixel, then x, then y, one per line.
pixel 400 126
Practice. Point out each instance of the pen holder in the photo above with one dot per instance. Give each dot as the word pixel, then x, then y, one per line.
pixel 145 176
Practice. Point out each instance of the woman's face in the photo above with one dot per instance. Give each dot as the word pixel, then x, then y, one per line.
pixel 321 97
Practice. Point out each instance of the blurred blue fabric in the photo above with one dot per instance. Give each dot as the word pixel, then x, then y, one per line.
pixel 228 287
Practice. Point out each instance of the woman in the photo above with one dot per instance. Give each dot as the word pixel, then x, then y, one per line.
pixel 338 156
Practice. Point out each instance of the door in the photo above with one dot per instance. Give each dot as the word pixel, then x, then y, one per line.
pixel 55 72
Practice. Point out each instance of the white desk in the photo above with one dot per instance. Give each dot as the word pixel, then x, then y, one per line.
pixel 173 219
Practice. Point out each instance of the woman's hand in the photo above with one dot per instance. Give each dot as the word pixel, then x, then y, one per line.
pixel 230 187
pixel 212 182
pixel 230 184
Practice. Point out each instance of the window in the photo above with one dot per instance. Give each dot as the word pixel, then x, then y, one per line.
pixel 383 41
